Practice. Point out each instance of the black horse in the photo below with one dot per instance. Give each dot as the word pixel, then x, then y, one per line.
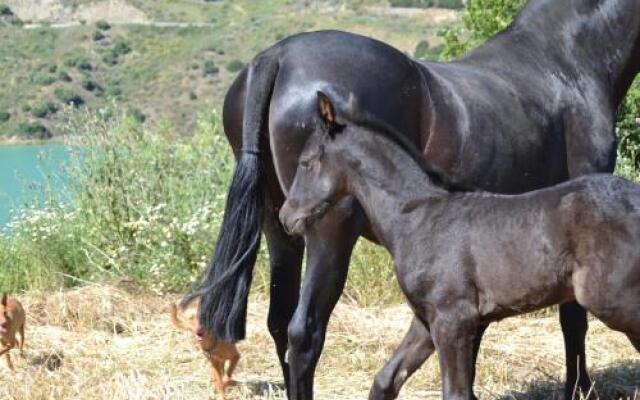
pixel 532 107
pixel 466 259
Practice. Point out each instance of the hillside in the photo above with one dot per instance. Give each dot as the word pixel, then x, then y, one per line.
pixel 162 59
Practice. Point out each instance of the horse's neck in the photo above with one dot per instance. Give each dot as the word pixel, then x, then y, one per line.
pixel 388 184
pixel 603 36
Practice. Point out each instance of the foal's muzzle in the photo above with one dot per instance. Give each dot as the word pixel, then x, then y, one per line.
pixel 296 221
pixel 291 221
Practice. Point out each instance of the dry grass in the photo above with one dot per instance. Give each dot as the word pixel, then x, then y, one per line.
pixel 101 342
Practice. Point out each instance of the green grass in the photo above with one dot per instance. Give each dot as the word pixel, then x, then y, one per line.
pixel 143 204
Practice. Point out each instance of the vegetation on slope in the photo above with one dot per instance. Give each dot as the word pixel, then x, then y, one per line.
pixel 166 72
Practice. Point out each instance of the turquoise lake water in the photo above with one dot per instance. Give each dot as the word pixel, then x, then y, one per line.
pixel 23 171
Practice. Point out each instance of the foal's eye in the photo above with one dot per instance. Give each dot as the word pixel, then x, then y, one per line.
pixel 305 163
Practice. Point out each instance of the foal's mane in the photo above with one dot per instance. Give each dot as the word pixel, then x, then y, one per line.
pixel 436 174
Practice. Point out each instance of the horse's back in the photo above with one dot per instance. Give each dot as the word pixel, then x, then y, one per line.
pixel 366 78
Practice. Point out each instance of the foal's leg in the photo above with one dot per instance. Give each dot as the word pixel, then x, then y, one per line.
pixel 414 350
pixel 477 339
pixel 453 333
pixel 285 257
pixel 329 247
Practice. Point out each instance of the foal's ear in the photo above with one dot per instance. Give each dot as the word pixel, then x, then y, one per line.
pixel 326 110
pixel 4 299
pixel 328 114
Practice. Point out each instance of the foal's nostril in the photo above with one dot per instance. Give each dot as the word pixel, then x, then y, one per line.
pixel 282 215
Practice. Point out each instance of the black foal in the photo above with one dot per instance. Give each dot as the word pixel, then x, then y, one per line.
pixel 465 259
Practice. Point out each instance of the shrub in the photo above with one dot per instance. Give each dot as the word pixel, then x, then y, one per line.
pixel 52 68
pixel 42 78
pixel 71 60
pixel 136 115
pixel 143 203
pixel 84 65
pixel 110 58
pixel 103 25
pixel 97 36
pixel 454 4
pixel 90 85
pixel 121 47
pixel 235 65
pixel 481 19
pixel 209 68
pixel 34 130
pixel 63 76
pixel 80 62
pixel 628 125
pixel 138 204
pixel 114 90
pixel 68 96
pixel 4 116
pixel 5 11
pixel 44 109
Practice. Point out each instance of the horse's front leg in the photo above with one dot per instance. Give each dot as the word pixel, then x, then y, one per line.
pixel 454 330
pixel 285 257
pixel 329 246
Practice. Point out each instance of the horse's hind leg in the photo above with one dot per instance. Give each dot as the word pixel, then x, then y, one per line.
pixel 413 351
pixel 573 319
pixel 591 148
pixel 285 256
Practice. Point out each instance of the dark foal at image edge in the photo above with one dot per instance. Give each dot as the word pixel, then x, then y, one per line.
pixel 464 259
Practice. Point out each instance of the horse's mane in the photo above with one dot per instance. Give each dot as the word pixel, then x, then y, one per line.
pixel 436 174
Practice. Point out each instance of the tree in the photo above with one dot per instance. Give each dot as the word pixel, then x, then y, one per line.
pixel 481 19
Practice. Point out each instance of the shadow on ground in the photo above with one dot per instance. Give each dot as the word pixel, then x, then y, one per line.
pixel 50 361
pixel 261 387
pixel 615 382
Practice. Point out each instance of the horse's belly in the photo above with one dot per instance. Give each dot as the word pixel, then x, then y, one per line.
pixel 520 289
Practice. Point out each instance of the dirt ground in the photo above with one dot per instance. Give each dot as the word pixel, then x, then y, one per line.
pixel 59 11
pixel 103 342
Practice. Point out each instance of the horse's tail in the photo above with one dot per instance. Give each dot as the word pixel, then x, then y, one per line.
pixel 225 287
